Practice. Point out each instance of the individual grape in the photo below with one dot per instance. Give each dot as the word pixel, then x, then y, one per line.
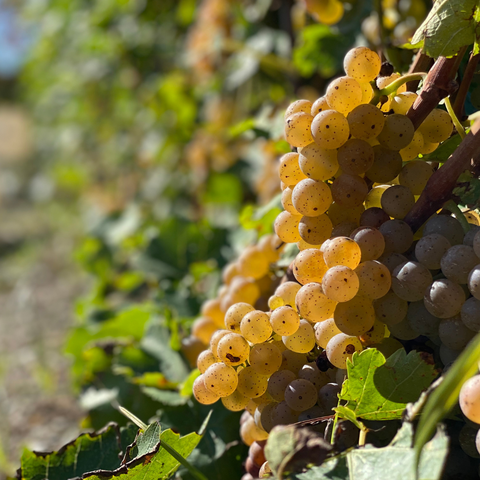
pixel 262 416
pixel 328 395
pixel 340 348
pixel 304 106
pixel 344 94
pixel 397 132
pixel 362 64
pixel 324 331
pixel 203 328
pixel 349 190
pixel 421 320
pixel 413 149
pixel 216 337
pixel 410 280
pixel 286 227
pixel 457 262
pixel 330 129
pixel 251 384
pixel 470 236
pixel 387 164
pixel 205 359
pixel 430 249
pixel 278 382
pixel 301 395
pixel 284 321
pixel 311 198
pixel 233 349
pixel 288 292
pixel 289 169
pixel 202 393
pixel 454 334
pixel 444 298
pixel 428 147
pixel 476 244
pixel 298 129
pixel 340 283
pixel 445 225
pixel 229 273
pixel 255 327
pixel 244 290
pixel 312 413
pixel 469 399
pixel 275 302
pixel 398 236
pixel 309 266
pixel 437 127
pixel 355 317
pixel 265 358
pixel 374 279
pixel 466 438
pixel 221 379
pixel 250 432
pixel 392 260
pixel 397 201
pixel 375 335
pixel 282 414
pixel 235 402
pixel 402 102
pixel 373 217
pixel 315 230
pixel 234 316
pixel 384 81
pixel 343 229
pixel 293 361
pixel 370 241
pixel 355 156
pixel 318 163
pixel 403 330
pixel 366 122
pixel 367 92
pixel 338 214
pixel 211 309
pixel 390 309
pixel 303 340
pixel 473 281
pixel 191 348
pixel 447 356
pixel 311 373
pixel 287 201
pixel 374 196
pixel 313 304
pixel 470 314
pixel 319 105
pixel 342 251
pixel 257 454
pixel 414 175
pixel 303 245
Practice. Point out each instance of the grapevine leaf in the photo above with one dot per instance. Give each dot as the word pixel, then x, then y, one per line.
pixel 468 189
pixel 449 26
pixel 380 390
pixel 444 151
pixel 348 414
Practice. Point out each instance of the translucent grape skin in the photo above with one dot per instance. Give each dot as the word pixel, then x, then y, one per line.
pixel 390 309
pixel 437 127
pixel 202 393
pixel 289 169
pixel 342 251
pixel 397 201
pixel 340 283
pixel 324 331
pixel 303 340
pixel 298 129
pixel 365 121
pixel 355 317
pixel 309 266
pixel 315 230
pixel 457 262
pixel 473 281
pixel 341 347
pixel 255 327
pixel 205 359
pixel 371 242
pixel 447 226
pixel 415 175
pixel 265 358
pixel 453 333
pixel 298 106
pixel 284 320
pixel 430 249
pixel 470 314
pixel 362 64
pixel 286 227
pixel 278 382
pixel 387 164
pixel 233 349
pixel 330 129
pixel 349 190
pixel 444 298
pixel 220 379
pixel 311 198
pixel 355 156
pixel 344 94
pixel 398 236
pixel 469 399
pixel 410 281
pixel 397 132
pixel 313 304
pixel 251 384
pixel 300 395
pixel 374 279
pixel 318 163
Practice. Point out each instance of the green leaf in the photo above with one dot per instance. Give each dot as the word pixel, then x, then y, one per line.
pixel 380 390
pixel 348 414
pixel 443 152
pixel 165 397
pixel 468 189
pixel 449 26
pixel 261 219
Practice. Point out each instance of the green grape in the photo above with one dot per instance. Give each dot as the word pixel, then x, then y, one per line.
pixel 410 280
pixel 370 241
pixel 309 266
pixel 373 217
pixel 233 349
pixel 263 416
pixel 338 214
pixel 205 359
pixel 457 262
pixel 402 102
pixel 469 237
pixel 470 314
pixel 413 149
pixel 318 163
pixel 390 309
pixel 398 236
pixel 275 302
pixel 265 358
pixel 229 273
pixel 288 291
pixel 387 164
pixel 303 245
pixel 315 230
pixel 340 283
pixel 312 413
pixel 301 395
pixel 278 382
pixel 202 393
pixel 313 304
pixel 476 244
pixel 271 246
pixel 192 347
pixel 445 225
pixel 255 327
pixel 421 320
pixel 444 298
pixel 298 129
pixel 437 127
pixel 367 92
pixel 403 330
pixel 216 337
pixel 250 432
pixel 234 315
pixel 397 132
pixel 374 196
pixel 302 341
pixel 311 373
pixel 374 278
pixel 287 203
pixel 284 321
pixel 453 333
pixel 235 402
pixel 251 384
pixel 330 129
pixel 430 249
pixel 293 361
pixel 349 190
pixel 397 201
pixel 342 251
pixel 286 227
pixel 324 331
pixel 428 147
pixel 355 317
pixel 473 282
pixel 319 105
pixel 344 94
pixel 211 309
pixel 244 290
pixel 203 328
pixel 282 414
pixel 328 396
pixel 365 121
pixel 343 229
pixel 221 379
pixel 362 64
pixel 355 156
pixel 375 335
pixel 298 106
pixel 289 169
pixel 311 198
pixel 340 348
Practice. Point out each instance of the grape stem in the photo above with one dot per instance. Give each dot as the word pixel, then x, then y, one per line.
pixel 362 437
pixel 193 471
pixel 451 206
pixel 395 85
pixel 421 63
pixel 459 103
pixel 455 120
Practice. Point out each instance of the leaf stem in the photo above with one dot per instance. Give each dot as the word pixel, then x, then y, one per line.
pixel 451 206
pixel 396 84
pixel 362 437
pixel 453 116
pixel 194 472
